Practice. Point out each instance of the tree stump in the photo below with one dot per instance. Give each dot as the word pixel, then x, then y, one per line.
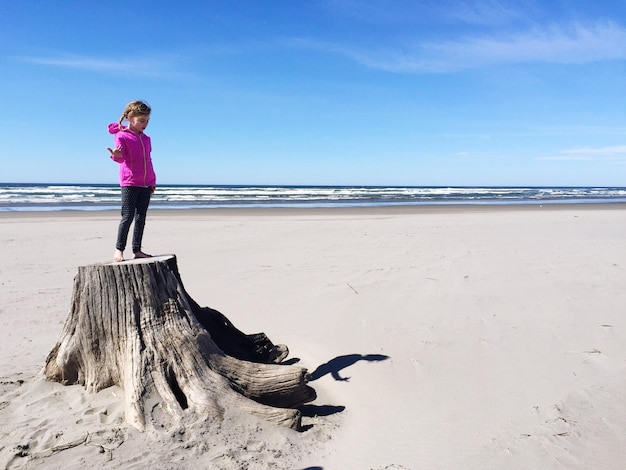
pixel 132 324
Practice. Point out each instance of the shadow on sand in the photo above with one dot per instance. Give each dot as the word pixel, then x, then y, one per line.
pixel 334 366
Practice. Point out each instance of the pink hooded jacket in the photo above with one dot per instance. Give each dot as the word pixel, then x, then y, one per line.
pixel 135 161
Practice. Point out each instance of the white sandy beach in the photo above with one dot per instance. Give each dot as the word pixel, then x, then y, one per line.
pixel 458 337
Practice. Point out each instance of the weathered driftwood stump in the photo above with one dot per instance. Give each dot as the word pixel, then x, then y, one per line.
pixel 132 324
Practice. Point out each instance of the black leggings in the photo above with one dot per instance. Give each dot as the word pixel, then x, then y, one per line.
pixel 135 201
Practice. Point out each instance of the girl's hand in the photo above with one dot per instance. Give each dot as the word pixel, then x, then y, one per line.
pixel 117 152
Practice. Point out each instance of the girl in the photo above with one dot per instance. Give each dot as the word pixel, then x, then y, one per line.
pixel 137 178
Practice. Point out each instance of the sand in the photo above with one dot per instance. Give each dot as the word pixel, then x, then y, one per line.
pixel 448 337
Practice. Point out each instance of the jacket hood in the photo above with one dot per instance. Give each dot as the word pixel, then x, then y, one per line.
pixel 114 128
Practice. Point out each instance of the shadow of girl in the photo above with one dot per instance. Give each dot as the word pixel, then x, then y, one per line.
pixel 334 366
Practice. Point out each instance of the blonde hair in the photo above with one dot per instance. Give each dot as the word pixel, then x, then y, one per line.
pixel 135 108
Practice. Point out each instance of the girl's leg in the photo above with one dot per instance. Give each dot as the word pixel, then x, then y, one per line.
pixel 129 201
pixel 143 201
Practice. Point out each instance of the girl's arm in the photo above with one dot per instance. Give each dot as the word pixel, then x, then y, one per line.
pixel 116 154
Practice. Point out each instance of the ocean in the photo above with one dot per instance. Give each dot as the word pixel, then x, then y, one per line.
pixel 90 197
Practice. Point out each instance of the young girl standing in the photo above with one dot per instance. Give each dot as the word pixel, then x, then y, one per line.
pixel 137 178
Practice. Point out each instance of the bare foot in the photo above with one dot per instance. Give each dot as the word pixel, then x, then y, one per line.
pixel 141 254
pixel 118 256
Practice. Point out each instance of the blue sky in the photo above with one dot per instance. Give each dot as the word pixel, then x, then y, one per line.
pixel 404 92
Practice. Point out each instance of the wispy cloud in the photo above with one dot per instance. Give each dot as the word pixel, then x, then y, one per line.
pixel 574 44
pixel 135 66
pixel 613 153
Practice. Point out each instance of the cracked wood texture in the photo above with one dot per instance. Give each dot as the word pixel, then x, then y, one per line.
pixel 132 324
